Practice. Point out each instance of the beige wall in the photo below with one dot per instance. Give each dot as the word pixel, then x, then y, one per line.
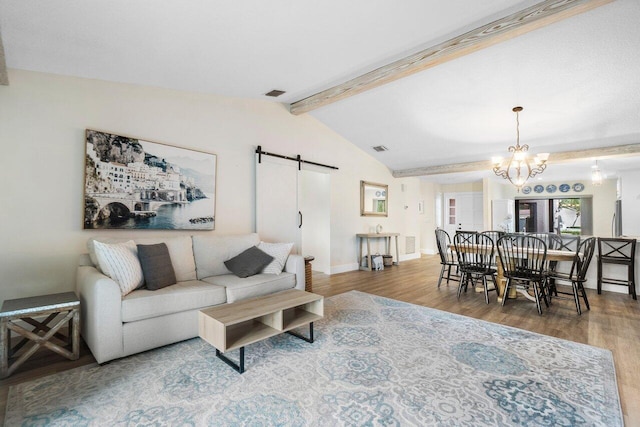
pixel 462 187
pixel 42 122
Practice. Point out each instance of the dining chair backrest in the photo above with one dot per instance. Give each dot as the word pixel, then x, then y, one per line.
pixel 569 243
pixel 494 234
pixel 470 236
pixel 552 240
pixel 617 249
pixel 522 256
pixel 443 241
pixel 476 253
pixel 582 259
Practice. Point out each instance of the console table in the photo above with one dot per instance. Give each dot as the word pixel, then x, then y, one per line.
pixel 387 240
pixel 64 307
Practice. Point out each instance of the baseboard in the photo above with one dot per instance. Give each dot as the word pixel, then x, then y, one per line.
pixel 344 268
pixel 407 257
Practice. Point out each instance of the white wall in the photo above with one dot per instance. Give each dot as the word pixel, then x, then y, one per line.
pixel 43 118
pixel 428 193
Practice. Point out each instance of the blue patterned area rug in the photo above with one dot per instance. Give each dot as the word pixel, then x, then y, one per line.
pixel 375 362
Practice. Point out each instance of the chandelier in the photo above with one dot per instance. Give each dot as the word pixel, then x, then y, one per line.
pixel 519 168
pixel 596 175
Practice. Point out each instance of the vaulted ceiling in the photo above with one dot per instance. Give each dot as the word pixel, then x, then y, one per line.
pixel 578 79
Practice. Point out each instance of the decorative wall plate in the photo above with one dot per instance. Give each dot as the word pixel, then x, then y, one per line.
pixel 551 188
pixel 538 188
pixel 564 188
pixel 378 193
pixel 578 187
pixel 526 189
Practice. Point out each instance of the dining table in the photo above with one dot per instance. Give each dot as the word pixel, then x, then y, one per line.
pixel 552 255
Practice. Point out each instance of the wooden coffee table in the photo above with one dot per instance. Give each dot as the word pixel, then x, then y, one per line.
pixel 233 326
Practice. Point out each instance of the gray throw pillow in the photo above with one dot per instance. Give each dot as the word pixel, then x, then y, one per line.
pixel 249 262
pixel 156 266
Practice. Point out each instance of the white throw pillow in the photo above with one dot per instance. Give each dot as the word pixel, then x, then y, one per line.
pixel 279 252
pixel 120 262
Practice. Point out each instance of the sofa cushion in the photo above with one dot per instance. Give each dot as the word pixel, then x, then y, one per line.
pixel 191 295
pixel 249 262
pixel 120 262
pixel 260 284
pixel 212 251
pixel 279 252
pixel 180 250
pixel 156 266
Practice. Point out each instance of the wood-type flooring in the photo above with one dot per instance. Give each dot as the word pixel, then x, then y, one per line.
pixel 612 323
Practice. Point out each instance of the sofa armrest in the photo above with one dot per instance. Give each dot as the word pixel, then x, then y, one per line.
pixel 295 264
pixel 101 313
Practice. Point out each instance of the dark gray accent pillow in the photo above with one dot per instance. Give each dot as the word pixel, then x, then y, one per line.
pixel 156 266
pixel 249 262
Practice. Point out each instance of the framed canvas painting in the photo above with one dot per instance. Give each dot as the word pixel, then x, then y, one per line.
pixel 134 183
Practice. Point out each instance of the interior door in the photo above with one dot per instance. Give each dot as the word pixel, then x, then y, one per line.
pixel 277 215
pixel 295 206
pixel 463 211
pixel 314 197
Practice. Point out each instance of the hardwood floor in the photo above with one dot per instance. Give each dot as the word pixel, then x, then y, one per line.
pixel 612 323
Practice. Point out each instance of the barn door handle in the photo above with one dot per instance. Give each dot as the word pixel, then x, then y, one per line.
pixel 300 214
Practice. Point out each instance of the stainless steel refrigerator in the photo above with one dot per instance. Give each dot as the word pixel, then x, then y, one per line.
pixel 616 222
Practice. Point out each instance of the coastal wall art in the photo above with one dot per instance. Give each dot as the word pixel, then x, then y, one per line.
pixel 134 183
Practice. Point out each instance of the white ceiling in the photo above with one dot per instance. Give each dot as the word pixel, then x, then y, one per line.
pixel 578 80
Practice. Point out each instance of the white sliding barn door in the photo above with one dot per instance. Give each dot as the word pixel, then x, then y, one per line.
pixel 295 206
pixel 277 216
pixel 314 202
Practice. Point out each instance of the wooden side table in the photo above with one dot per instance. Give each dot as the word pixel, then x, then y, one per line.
pixel 63 307
pixel 387 240
pixel 308 279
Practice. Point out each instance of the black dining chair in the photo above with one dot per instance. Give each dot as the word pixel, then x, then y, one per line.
pixel 552 240
pixel 621 252
pixel 447 258
pixel 474 258
pixel 569 243
pixel 468 236
pixel 577 275
pixel 523 259
pixel 559 243
pixel 495 235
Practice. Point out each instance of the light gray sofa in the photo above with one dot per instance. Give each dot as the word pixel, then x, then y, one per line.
pixel 114 326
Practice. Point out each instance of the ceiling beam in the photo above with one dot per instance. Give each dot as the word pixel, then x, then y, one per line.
pixel 554 158
pixel 4 76
pixel 532 18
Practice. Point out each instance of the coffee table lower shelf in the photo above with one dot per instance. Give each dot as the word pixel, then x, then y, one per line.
pixel 239 366
pixel 236 325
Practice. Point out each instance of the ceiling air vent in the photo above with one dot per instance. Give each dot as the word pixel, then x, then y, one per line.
pixel 379 148
pixel 275 93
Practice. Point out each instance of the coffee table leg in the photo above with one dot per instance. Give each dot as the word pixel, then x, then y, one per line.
pixel 239 367
pixel 302 337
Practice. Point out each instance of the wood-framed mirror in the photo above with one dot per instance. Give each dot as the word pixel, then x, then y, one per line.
pixel 374 199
